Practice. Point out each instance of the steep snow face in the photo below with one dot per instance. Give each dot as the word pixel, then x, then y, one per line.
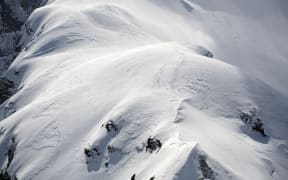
pixel 163 89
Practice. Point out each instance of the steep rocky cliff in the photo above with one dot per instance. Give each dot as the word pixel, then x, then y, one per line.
pixel 14 32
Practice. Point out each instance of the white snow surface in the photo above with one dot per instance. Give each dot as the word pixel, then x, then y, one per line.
pixel 142 64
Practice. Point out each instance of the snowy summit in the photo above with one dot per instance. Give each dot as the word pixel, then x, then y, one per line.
pixel 144 90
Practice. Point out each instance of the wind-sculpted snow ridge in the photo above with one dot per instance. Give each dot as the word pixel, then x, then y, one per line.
pixel 148 90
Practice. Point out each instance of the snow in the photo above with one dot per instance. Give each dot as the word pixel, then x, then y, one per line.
pixel 144 66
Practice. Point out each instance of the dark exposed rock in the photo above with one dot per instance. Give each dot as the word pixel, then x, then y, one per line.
pixel 248 117
pixel 30 5
pixel 209 54
pixel 11 151
pixel 206 170
pixel 205 52
pixel 110 126
pixel 153 144
pixel 13 16
pixel 133 177
pixel 9 22
pixel 91 152
pixel 6 89
pixel 88 152
pixel 106 164
pixel 258 126
pixel 112 149
pixel 4 175
pixel 255 122
pixel 2 130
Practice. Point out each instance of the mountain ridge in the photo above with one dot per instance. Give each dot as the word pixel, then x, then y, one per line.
pixel 157 89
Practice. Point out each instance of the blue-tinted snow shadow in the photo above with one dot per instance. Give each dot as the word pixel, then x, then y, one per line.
pixel 272 110
pixel 104 156
pixel 256 136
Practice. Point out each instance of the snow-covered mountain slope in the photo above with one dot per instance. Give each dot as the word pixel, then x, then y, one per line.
pixel 149 89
